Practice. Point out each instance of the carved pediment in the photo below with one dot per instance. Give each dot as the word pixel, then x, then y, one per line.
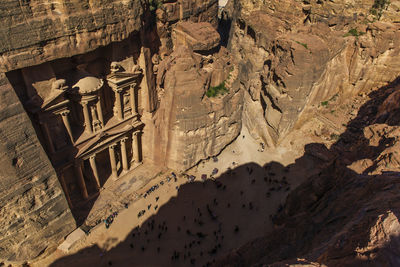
pixel 55 101
pixel 100 140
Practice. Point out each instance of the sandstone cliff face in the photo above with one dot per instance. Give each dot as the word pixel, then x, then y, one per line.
pixel 34 32
pixel 189 125
pixel 34 213
pixel 293 56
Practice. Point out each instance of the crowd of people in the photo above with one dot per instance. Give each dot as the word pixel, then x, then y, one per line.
pixel 203 227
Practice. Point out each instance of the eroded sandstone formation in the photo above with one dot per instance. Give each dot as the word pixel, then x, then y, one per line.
pixel 294 55
pixel 191 126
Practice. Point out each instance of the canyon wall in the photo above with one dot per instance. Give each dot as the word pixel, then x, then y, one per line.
pixel 189 126
pixel 39 31
pixel 293 56
pixel 339 60
pixel 348 213
pixel 34 212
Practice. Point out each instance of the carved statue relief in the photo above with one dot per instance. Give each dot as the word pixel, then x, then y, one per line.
pixel 136 68
pixel 59 134
pixel 59 84
pixel 126 99
pixel 95 119
pixel 115 67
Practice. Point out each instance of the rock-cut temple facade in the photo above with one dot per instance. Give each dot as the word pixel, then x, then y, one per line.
pixel 90 127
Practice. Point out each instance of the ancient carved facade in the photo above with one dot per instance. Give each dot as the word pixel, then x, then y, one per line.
pixel 90 127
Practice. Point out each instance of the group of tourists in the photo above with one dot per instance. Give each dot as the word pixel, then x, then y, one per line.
pixel 201 227
pixel 109 220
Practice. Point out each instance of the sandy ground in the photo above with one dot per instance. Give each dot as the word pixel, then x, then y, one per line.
pixel 191 224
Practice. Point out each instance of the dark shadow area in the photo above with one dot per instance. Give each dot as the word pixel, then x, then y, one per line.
pixel 204 221
pixel 224 28
pixel 239 219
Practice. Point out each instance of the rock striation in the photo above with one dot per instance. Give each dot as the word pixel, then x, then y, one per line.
pixel 34 212
pixel 39 31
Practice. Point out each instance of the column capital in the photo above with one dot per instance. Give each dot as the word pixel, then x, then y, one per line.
pixel 117 89
pixel 124 139
pixel 136 133
pixel 93 156
pixel 65 112
pixel 112 146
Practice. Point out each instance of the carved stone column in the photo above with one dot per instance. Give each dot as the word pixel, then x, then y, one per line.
pixel 100 111
pixel 65 188
pixel 47 135
pixel 118 105
pixel 92 161
pixel 133 100
pixel 88 125
pixel 135 146
pixel 125 165
pixel 64 116
pixel 111 150
pixel 81 180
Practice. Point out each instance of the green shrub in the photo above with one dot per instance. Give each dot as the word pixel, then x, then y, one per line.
pixel 354 32
pixel 378 7
pixel 324 103
pixel 154 4
pixel 213 91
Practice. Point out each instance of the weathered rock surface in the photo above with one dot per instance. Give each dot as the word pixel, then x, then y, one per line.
pixel 34 212
pixel 288 59
pixel 294 55
pixel 196 36
pixel 38 31
pixel 174 11
pixel 189 125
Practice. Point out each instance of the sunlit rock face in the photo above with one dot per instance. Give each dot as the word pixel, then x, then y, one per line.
pixel 293 56
pixel 35 214
pixel 192 126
